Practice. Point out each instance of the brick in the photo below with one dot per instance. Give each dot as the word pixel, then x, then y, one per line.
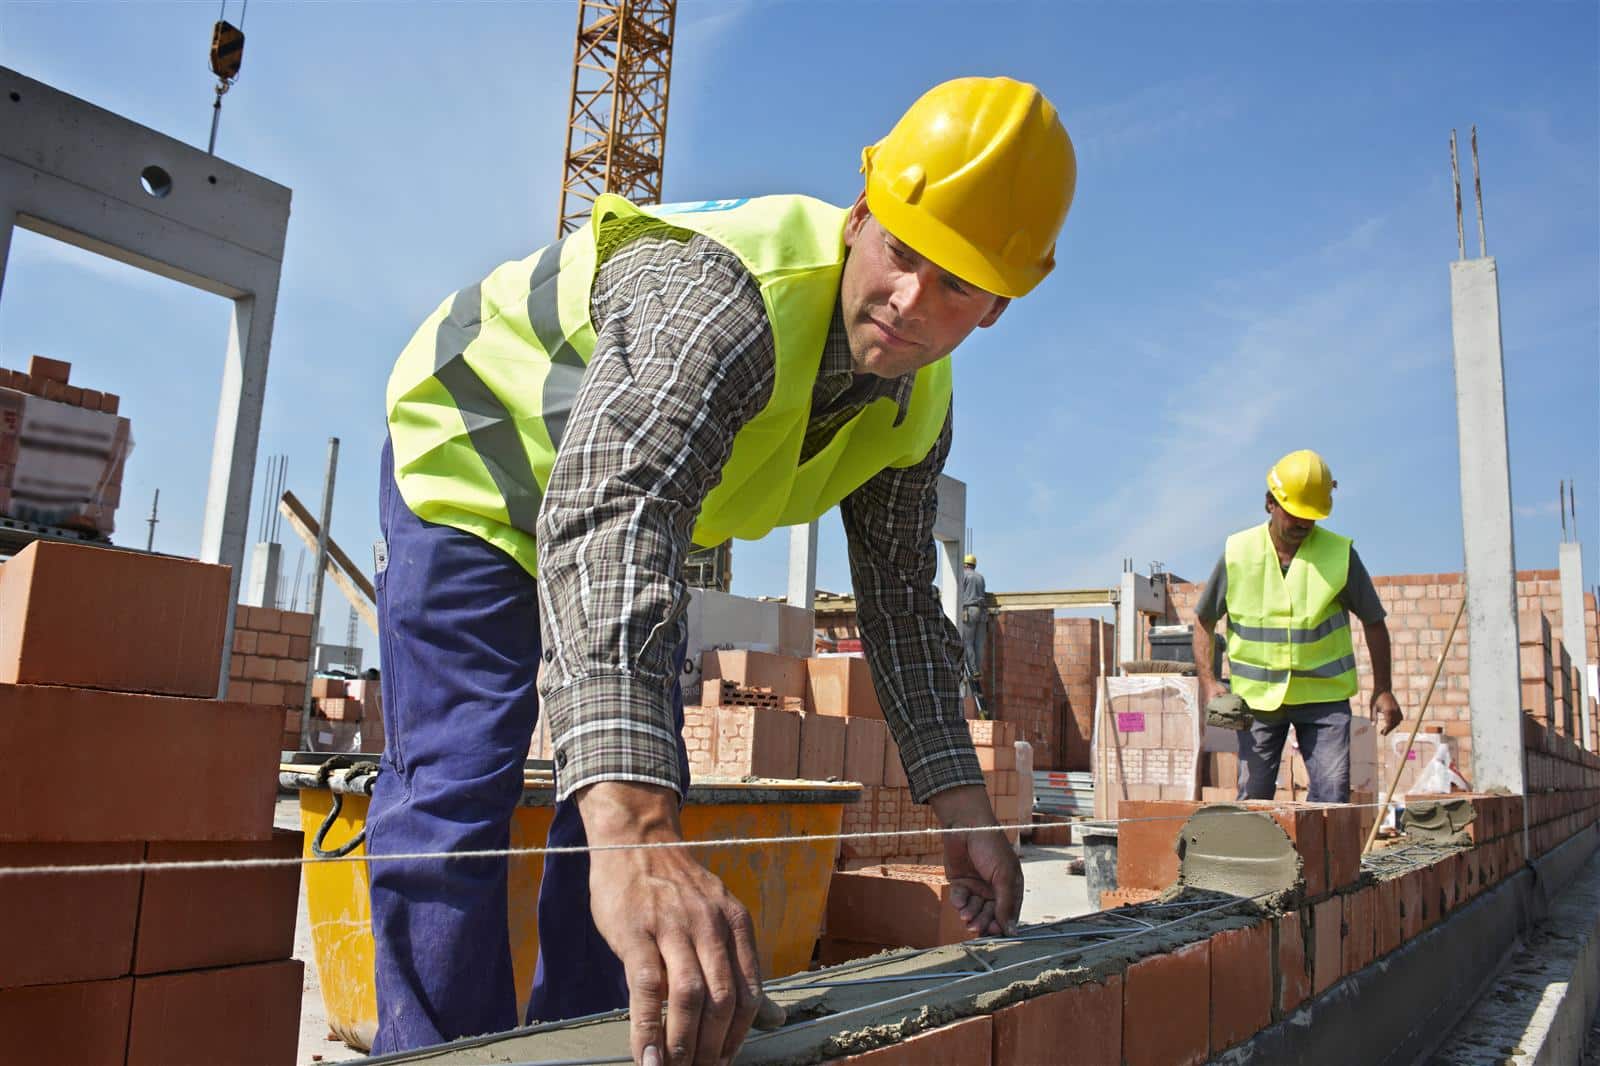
pixel 897 906
pixel 841 685
pixel 831 951
pixel 966 1043
pixel 266 619
pixel 300 648
pixel 268 694
pixel 49 369
pixel 757 742
pixel 295 623
pixel 1293 936
pixel 894 768
pixel 272 645
pixel 72 1024
pixel 1241 984
pixel 1343 830
pixel 1410 887
pixel 101 618
pixel 245 641
pixel 782 675
pixel 1359 932
pixel 822 742
pixel 67 927
pixel 328 687
pixel 252 1011
pixel 864 744
pixel 992 734
pixel 289 672
pixel 1086 1018
pixel 1327 960
pixel 232 747
pixel 1306 827
pixel 110 402
pixel 997 759
pixel 1147 846
pixel 340 709
pixel 193 919
pixel 1166 1008
pixel 1386 923
pixel 258 669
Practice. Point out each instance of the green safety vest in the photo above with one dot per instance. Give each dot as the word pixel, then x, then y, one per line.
pixel 479 399
pixel 1288 637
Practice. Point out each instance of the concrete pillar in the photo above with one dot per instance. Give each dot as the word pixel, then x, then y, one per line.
pixel 803 566
pixel 1572 634
pixel 266 563
pixel 950 531
pixel 1497 756
pixel 1138 596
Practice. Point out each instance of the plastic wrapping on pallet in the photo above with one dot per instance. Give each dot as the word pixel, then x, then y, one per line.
pixel 60 464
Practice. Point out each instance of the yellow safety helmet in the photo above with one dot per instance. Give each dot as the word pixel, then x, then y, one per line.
pixel 971 560
pixel 977 176
pixel 1302 485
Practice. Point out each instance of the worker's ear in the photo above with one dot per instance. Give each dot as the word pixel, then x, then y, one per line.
pixel 1000 305
pixel 856 220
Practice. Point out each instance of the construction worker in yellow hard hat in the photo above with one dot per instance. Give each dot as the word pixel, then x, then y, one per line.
pixel 560 435
pixel 1288 588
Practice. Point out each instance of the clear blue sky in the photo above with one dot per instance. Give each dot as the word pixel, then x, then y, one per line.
pixel 1257 260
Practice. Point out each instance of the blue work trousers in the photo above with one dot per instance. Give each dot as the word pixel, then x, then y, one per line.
pixel 1323 732
pixel 458 623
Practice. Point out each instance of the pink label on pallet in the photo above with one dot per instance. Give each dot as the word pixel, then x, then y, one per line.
pixel 1130 721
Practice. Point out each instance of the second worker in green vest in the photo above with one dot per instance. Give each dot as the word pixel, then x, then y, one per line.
pixel 1288 588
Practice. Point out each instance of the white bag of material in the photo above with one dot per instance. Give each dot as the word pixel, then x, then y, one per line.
pixel 1438 777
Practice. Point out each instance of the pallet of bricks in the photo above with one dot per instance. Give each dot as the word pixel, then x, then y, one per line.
pixel 270 658
pixel 346 715
pixel 62 450
pixel 115 750
pixel 1147 739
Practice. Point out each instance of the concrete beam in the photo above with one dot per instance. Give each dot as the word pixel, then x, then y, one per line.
pixel 266 560
pixel 1138 595
pixel 950 532
pixel 1572 634
pixel 91 178
pixel 803 566
pixel 1497 754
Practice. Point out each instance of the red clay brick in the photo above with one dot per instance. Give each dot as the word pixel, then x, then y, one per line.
pixel 252 1011
pixel 1306 827
pixel 1166 1008
pixel 1327 961
pixel 822 740
pixel 966 1043
pixel 289 672
pixel 340 709
pixel 1360 935
pixel 82 1023
pixel 782 675
pixel 1241 984
pixel 832 951
pixel 113 740
pixel 757 741
pixel 272 645
pixel 1343 827
pixel 1410 885
pixel 1000 758
pixel 864 744
pixel 1086 1018
pixel 841 685
pixel 300 648
pixel 101 618
pixel 266 619
pixel 192 919
pixel 66 927
pixel 245 641
pixel 1386 918
pixel 258 669
pixel 1147 846
pixel 1294 961
pixel 898 906
pixel 49 369
pixel 295 623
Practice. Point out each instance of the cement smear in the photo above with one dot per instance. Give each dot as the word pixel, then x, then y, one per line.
pixel 1438 821
pixel 1236 852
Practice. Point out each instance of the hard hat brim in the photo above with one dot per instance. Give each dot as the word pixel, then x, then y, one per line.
pixel 1310 514
pixel 945 248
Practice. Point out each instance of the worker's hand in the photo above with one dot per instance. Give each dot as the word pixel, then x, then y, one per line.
pixel 1386 710
pixel 985 874
pixel 1210 689
pixel 680 934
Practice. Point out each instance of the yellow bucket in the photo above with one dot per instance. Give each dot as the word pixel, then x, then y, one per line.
pixel 785 888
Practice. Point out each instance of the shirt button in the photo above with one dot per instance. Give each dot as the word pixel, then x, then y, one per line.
pixel 549 655
pixel 561 759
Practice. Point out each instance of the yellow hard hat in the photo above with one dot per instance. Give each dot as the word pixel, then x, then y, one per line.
pixel 977 176
pixel 971 560
pixel 1302 485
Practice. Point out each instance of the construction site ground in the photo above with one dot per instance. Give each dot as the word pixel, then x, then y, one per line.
pixel 1052 892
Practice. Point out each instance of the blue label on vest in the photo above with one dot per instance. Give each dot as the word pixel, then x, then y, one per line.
pixel 697 207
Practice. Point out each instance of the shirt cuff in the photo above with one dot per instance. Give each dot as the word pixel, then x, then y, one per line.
pixel 938 758
pixel 613 728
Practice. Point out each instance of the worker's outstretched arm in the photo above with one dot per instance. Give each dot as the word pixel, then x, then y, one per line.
pixel 1385 708
pixel 683 359
pixel 1203 644
pixel 914 652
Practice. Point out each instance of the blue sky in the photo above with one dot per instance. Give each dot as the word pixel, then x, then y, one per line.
pixel 1257 259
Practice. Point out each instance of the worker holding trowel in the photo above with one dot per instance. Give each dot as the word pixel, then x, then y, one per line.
pixel 560 434
pixel 1288 588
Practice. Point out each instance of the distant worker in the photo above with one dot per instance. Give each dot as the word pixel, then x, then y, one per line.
pixel 560 435
pixel 1288 588
pixel 974 618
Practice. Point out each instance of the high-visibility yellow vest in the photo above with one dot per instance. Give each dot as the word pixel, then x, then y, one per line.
pixel 1288 637
pixel 479 399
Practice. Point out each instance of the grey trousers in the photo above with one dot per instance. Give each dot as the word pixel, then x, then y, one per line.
pixel 974 634
pixel 1323 732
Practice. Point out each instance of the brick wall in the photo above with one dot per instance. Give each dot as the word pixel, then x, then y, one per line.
pixel 1022 685
pixel 1079 645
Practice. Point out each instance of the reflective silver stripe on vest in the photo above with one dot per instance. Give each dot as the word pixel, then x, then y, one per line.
pixel 566 366
pixel 1278 635
pixel 489 424
pixel 1333 669
pixel 1251 672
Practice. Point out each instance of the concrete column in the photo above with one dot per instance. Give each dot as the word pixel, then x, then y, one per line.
pixel 1497 756
pixel 950 579
pixel 1572 634
pixel 266 563
pixel 803 566
pixel 950 531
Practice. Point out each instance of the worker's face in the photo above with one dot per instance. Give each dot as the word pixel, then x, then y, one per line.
pixel 902 312
pixel 1286 528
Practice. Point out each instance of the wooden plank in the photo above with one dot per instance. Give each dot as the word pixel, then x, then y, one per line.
pixel 351 581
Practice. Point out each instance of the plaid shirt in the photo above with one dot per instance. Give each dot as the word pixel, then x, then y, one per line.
pixel 684 357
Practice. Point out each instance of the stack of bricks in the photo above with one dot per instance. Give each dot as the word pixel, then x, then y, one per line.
pixel 1538 689
pixel 346 715
pixel 43 495
pixel 1555 762
pixel 270 659
pixel 115 750
pixel 1022 686
pixel 888 906
pixel 1083 648
pixel 1149 742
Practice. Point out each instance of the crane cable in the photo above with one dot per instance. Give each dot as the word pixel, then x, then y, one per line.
pixel 227 55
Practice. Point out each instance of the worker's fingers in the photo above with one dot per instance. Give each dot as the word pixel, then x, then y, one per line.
pixel 747 972
pixel 1008 886
pixel 645 991
pixel 686 997
pixel 713 946
pixel 979 923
